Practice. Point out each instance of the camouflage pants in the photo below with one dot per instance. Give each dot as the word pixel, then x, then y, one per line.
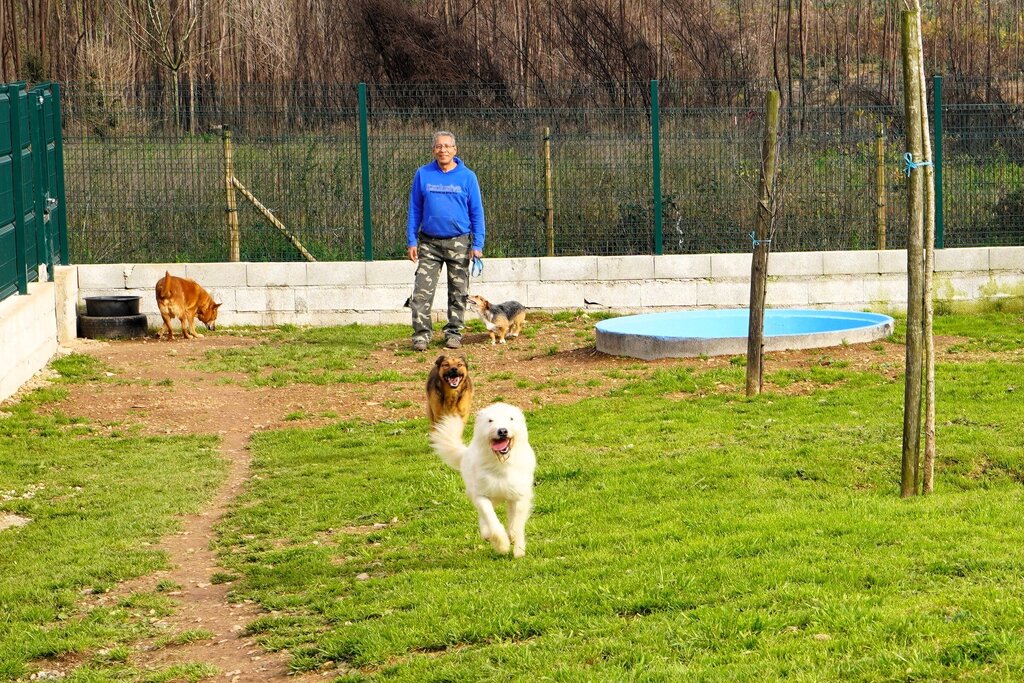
pixel 454 254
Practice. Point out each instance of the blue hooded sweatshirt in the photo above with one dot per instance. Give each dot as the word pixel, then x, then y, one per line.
pixel 444 205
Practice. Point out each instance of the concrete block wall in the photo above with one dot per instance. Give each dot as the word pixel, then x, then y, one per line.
pixel 32 326
pixel 374 292
pixel 28 335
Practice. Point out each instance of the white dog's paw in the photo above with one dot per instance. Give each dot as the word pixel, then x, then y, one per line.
pixel 501 341
pixel 500 542
pixel 518 545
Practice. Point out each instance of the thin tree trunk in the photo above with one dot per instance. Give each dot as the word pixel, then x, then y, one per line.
pixel 762 243
pixel 928 474
pixel 3 48
pixel 915 265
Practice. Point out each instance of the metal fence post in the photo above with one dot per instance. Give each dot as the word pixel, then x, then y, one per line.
pixel 20 235
pixel 940 238
pixel 58 155
pixel 364 164
pixel 37 135
pixel 881 212
pixel 656 166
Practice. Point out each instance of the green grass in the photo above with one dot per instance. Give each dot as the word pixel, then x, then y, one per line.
pixel 184 638
pixel 79 367
pixel 320 355
pixel 705 538
pixel 97 505
pixel 680 531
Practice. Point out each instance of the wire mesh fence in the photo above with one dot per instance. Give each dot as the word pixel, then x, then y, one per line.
pixel 145 179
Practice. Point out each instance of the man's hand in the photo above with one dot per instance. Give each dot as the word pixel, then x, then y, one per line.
pixel 414 254
pixel 478 253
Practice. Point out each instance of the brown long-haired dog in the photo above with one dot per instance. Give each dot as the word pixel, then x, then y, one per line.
pixel 186 300
pixel 501 320
pixel 449 389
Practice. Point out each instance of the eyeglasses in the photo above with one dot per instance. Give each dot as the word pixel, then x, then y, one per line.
pixel 444 146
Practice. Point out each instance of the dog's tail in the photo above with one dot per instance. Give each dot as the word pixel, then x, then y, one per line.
pixel 446 438
pixel 164 291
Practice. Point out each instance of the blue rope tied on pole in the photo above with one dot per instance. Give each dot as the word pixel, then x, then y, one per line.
pixel 909 164
pixel 476 267
pixel 755 241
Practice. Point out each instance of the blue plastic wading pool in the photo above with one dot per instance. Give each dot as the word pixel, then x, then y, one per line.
pixel 680 334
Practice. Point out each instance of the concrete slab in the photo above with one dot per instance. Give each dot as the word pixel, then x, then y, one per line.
pixel 682 266
pixel 327 273
pixel 668 293
pixel 292 274
pixel 892 261
pixel 795 263
pixel 960 260
pixel 1007 258
pixel 625 268
pixel 215 275
pixel 731 266
pixel 508 270
pixel 145 275
pixel 102 276
pixel 391 273
pixel 850 262
pixel 572 268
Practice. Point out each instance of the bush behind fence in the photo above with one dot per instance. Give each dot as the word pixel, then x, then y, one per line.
pixel 141 188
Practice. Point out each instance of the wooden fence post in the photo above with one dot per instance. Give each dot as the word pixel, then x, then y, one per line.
pixel 549 196
pixel 234 240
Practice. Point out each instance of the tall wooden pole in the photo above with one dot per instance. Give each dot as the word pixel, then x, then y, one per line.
pixel 929 169
pixel 762 243
pixel 912 98
pixel 549 195
pixel 234 241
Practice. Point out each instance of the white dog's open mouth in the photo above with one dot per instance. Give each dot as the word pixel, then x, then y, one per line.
pixel 454 381
pixel 501 448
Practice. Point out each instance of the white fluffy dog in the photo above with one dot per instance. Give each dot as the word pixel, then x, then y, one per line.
pixel 496 466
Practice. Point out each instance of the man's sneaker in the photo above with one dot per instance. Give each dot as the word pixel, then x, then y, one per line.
pixel 419 345
pixel 453 343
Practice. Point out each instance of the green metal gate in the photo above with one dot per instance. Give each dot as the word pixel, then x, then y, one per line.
pixel 33 223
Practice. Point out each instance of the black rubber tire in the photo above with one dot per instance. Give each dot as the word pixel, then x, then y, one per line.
pixel 113 326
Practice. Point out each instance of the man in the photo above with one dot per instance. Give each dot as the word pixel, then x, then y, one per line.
pixel 445 227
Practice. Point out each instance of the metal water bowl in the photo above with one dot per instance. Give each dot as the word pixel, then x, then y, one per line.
pixel 107 306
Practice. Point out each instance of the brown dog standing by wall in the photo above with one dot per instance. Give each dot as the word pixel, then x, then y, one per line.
pixel 501 320
pixel 449 389
pixel 184 299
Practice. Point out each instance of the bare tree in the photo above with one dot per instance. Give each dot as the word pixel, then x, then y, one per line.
pixel 602 45
pixel 164 31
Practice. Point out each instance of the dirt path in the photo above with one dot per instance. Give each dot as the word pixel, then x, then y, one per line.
pixel 157 388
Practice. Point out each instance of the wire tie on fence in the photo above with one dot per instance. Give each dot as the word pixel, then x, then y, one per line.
pixel 755 241
pixel 910 164
pixel 476 267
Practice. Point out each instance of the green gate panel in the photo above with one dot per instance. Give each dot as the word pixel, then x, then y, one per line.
pixel 24 202
pixel 8 239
